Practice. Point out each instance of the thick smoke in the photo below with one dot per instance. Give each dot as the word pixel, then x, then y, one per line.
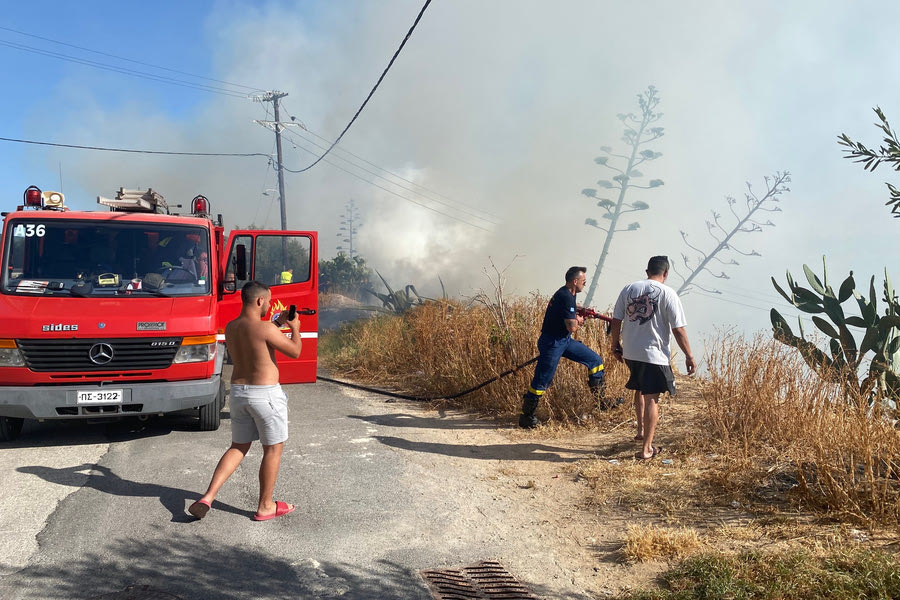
pixel 502 106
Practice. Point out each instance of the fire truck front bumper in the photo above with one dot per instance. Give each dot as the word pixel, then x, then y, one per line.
pixel 110 400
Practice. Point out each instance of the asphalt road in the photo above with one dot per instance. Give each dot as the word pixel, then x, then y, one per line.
pixel 87 510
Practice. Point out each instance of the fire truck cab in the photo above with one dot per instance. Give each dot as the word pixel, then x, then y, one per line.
pixel 121 312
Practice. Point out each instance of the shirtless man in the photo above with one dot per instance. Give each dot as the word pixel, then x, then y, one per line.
pixel 258 405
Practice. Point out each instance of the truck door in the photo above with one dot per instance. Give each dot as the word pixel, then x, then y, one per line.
pixel 287 261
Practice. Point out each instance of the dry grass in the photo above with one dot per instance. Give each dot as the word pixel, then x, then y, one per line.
pixel 783 534
pixel 649 542
pixel 766 436
pixel 786 430
pixel 668 491
pixel 446 347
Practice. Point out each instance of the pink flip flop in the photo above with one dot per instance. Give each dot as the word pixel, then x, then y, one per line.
pixel 199 508
pixel 281 508
pixel 656 451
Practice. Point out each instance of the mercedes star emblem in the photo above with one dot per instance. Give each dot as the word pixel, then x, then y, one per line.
pixel 100 354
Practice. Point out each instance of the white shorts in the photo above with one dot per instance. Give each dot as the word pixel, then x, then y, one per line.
pixel 258 412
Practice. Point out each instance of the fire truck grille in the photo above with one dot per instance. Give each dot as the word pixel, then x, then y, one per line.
pixel 100 354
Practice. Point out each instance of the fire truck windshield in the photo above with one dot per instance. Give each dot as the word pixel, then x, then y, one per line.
pixel 91 258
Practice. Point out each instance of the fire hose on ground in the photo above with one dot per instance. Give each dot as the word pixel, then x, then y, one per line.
pixel 429 399
pixel 587 313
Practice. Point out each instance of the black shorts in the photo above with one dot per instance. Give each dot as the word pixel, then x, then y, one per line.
pixel 649 378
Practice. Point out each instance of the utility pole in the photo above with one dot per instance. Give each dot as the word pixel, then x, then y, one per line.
pixel 273 97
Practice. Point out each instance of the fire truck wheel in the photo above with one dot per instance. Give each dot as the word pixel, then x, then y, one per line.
pixel 221 394
pixel 10 428
pixel 211 414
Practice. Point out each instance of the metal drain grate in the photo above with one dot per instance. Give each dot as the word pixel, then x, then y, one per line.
pixel 486 580
pixel 137 592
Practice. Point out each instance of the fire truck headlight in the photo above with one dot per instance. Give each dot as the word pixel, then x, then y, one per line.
pixel 10 356
pixel 196 349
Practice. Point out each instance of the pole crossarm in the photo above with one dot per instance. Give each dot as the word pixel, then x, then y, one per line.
pixel 280 124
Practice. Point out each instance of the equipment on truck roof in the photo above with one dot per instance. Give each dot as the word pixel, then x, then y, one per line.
pixel 136 201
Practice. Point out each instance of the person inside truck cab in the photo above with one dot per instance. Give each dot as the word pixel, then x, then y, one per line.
pixel 161 252
pixel 185 263
pixel 203 264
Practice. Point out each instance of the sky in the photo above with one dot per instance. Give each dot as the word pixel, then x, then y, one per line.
pixel 492 116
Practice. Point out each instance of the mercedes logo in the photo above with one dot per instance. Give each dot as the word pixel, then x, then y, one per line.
pixel 100 354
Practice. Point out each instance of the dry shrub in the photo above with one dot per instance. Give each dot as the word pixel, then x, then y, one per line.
pixel 649 542
pixel 442 348
pixel 779 422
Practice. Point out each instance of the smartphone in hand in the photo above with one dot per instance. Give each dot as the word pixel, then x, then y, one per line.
pixel 292 312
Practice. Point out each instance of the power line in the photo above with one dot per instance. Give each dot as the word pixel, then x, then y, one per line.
pixel 268 210
pixel 727 288
pixel 265 188
pixel 725 295
pixel 374 174
pixel 722 298
pixel 491 217
pixel 125 71
pixel 425 206
pixel 377 83
pixel 807 319
pixel 137 62
pixel 238 155
pixel 133 151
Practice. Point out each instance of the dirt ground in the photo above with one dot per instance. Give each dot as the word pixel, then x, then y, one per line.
pixel 573 493
pixel 546 502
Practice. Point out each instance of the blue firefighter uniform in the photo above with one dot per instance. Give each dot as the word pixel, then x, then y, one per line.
pixel 554 343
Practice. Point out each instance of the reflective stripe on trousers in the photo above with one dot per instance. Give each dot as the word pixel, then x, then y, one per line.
pixel 552 349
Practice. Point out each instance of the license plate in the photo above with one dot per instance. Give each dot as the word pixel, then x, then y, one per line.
pixel 100 397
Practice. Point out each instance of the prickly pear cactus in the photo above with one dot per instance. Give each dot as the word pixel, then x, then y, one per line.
pixel 880 333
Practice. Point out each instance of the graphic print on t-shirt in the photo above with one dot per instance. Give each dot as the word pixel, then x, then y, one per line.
pixel 642 308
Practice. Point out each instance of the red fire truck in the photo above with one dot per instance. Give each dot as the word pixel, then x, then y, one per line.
pixel 121 312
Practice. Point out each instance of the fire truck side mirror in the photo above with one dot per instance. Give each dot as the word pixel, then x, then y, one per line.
pixel 240 267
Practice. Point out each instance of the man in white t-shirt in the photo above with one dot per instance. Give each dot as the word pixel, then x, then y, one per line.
pixel 650 310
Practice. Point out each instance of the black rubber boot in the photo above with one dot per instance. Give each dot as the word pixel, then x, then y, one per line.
pixel 598 390
pixel 610 403
pixel 598 387
pixel 527 420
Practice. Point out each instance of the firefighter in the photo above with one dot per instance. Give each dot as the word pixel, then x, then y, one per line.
pixel 286 276
pixel 560 322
